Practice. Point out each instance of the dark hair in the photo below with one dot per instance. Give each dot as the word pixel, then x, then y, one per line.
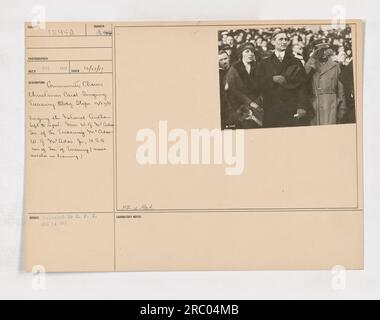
pixel 277 32
pixel 244 47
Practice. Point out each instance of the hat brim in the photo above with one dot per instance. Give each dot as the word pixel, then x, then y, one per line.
pixel 321 46
pixel 245 47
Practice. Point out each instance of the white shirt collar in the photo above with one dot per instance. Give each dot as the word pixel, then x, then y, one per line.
pixel 280 55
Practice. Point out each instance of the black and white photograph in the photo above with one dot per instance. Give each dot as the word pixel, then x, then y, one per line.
pixel 286 77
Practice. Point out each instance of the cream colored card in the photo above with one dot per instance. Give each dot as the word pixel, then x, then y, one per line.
pixel 94 93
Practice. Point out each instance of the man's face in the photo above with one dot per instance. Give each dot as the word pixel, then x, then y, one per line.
pixel 224 61
pixel 298 49
pixel 224 39
pixel 230 40
pixel 280 42
pixel 322 54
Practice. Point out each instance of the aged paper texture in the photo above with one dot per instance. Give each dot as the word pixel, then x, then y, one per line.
pixel 117 182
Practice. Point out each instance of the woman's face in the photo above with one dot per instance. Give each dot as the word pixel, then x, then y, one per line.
pixel 248 55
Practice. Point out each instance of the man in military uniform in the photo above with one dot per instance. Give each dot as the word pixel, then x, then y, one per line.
pixel 282 82
pixel 328 98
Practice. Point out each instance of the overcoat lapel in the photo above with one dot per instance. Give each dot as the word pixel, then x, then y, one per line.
pixel 326 67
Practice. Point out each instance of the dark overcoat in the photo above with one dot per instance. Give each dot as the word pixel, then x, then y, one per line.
pixel 282 101
pixel 241 89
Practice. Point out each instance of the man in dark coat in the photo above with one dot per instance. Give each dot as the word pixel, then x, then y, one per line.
pixel 347 79
pixel 224 65
pixel 282 82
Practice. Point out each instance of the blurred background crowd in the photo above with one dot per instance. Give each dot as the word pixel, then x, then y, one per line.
pixel 301 40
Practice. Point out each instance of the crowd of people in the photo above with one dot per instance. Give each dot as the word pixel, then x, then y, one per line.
pixel 275 77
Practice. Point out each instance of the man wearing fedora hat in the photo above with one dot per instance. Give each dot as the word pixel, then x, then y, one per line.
pixel 328 99
pixel 282 83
